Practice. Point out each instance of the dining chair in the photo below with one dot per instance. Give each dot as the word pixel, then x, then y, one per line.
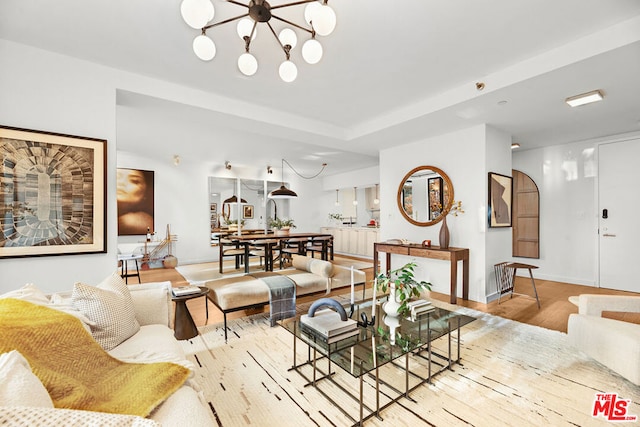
pixel 230 248
pixel 292 246
pixel 321 245
pixel 266 249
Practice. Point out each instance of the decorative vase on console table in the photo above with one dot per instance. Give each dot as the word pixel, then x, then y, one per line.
pixel 444 234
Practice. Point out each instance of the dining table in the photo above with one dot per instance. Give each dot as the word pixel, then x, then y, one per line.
pixel 246 240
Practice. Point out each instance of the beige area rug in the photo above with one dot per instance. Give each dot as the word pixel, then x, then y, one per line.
pixel 200 273
pixel 512 374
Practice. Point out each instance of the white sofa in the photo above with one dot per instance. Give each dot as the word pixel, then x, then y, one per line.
pixel 154 342
pixel 614 343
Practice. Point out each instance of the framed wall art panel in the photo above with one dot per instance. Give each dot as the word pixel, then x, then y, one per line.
pixel 52 194
pixel 135 198
pixel 247 211
pixel 500 200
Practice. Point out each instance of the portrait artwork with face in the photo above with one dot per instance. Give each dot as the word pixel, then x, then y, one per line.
pixel 134 193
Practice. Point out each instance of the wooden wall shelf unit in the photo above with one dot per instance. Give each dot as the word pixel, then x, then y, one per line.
pixel 453 255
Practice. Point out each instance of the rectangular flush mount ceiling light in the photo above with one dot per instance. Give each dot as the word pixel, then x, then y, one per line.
pixel 585 98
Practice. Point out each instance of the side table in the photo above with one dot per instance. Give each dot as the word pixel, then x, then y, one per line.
pixel 183 324
pixel 124 271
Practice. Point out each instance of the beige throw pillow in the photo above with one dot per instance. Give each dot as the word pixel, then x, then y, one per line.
pixel 53 417
pixel 28 292
pixel 18 385
pixel 31 293
pixel 110 307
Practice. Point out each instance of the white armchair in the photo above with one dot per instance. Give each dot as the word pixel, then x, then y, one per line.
pixel 614 343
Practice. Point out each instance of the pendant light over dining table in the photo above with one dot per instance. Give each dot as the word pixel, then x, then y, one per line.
pixel 283 192
pixel 319 17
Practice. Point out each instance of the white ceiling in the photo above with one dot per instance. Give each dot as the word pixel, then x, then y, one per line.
pixel 388 76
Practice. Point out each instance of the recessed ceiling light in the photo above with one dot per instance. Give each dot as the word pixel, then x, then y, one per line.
pixel 585 98
pixel 503 102
pixel 515 145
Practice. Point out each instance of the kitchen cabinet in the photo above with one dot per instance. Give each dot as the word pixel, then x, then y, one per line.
pixel 353 240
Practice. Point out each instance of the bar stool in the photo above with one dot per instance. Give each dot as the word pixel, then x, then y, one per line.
pixel 124 267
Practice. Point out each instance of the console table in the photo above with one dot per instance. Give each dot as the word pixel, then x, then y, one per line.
pixel 453 255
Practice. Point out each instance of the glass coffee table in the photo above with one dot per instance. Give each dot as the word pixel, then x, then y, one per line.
pixel 376 348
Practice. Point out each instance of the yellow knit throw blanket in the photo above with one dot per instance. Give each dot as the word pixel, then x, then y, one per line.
pixel 75 370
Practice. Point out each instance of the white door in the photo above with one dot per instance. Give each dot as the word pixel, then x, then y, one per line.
pixel 619 223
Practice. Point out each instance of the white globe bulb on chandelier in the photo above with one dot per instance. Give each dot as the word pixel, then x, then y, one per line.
pixel 319 17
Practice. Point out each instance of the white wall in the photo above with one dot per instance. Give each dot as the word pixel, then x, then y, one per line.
pixel 566 176
pixel 181 200
pixel 48 92
pixel 498 243
pixel 468 173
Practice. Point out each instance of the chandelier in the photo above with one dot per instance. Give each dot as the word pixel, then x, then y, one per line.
pixel 319 17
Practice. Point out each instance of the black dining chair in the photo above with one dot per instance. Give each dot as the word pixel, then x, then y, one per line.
pixel 321 245
pixel 292 246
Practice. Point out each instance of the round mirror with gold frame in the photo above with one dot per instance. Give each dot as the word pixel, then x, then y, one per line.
pixel 425 195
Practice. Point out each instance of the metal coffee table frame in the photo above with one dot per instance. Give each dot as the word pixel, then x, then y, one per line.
pixel 363 343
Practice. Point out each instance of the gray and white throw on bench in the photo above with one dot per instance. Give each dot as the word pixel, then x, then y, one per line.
pixel 282 295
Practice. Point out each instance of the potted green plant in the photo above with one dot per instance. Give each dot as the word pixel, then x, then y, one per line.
pixel 336 217
pixel 281 226
pixel 402 287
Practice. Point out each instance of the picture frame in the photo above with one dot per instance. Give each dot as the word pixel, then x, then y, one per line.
pixel 52 194
pixel 500 200
pixel 214 208
pixel 435 187
pixel 407 198
pixel 135 199
pixel 247 211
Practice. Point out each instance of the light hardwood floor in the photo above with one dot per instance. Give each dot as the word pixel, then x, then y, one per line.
pixel 553 314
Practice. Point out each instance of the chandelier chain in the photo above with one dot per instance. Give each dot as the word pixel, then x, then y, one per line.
pixel 324 165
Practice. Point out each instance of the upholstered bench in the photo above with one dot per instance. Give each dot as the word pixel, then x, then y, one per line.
pixel 310 276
